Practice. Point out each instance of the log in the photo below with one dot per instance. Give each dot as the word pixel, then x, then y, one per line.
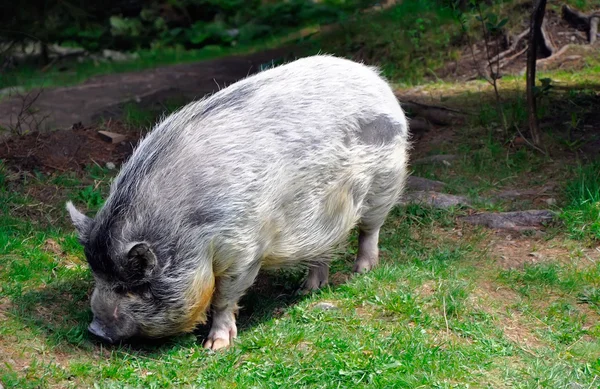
pixel 582 22
pixel 434 114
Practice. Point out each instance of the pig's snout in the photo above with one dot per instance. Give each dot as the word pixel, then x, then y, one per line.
pixel 97 329
pixel 112 334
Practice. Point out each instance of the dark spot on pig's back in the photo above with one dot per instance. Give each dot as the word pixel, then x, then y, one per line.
pixel 379 131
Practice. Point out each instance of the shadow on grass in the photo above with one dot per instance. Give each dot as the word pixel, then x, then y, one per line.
pixel 60 312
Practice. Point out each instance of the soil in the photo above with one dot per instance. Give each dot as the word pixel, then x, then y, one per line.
pixel 103 97
pixel 474 60
pixel 515 251
pixel 66 150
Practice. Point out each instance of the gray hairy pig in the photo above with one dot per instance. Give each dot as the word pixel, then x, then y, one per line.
pixel 274 170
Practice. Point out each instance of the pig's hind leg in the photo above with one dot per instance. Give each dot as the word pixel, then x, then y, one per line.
pixel 382 198
pixel 368 250
pixel 229 289
pixel 318 276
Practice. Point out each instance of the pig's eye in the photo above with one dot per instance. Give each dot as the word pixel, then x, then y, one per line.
pixel 142 290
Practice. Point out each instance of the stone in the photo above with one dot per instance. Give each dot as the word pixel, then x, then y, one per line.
pixel 111 137
pixel 441 159
pixel 414 183
pixel 518 220
pixel 110 165
pixel 434 199
pixel 325 306
pixel 12 91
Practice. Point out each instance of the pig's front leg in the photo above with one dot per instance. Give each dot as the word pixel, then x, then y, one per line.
pixel 223 329
pixel 229 290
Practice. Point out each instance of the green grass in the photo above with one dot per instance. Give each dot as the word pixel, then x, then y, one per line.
pixel 408 40
pixel 421 319
pixel 582 215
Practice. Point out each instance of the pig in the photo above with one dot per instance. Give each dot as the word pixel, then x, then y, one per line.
pixel 273 171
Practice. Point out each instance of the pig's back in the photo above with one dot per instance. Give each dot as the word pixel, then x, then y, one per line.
pixel 273 158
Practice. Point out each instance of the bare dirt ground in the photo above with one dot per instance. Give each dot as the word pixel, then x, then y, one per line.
pixel 104 96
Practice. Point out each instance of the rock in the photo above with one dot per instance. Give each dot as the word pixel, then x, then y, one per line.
pixel 66 51
pixel 110 166
pixel 551 201
pixel 520 141
pixel 325 306
pixel 442 158
pixel 519 220
pixel 12 91
pixel 118 56
pixel 514 194
pixel 233 32
pixel 434 199
pixel 414 183
pixel 111 136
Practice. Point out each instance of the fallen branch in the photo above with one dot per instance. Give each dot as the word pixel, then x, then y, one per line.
pixel 507 61
pixel 555 55
pixel 434 114
pixel 512 47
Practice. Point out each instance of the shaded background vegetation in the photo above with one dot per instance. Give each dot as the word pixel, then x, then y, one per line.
pixel 132 25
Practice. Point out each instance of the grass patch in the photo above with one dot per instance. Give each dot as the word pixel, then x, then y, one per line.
pixel 582 214
pixel 411 322
pixel 407 53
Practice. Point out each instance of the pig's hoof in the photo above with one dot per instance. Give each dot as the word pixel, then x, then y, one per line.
pixel 311 285
pixel 221 338
pixel 363 265
pixel 216 344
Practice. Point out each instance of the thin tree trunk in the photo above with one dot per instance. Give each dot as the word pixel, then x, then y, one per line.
pixel 537 18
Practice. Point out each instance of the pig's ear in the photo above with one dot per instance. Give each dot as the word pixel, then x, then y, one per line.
pixel 81 222
pixel 141 260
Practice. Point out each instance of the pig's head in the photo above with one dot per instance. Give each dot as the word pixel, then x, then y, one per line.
pixel 132 297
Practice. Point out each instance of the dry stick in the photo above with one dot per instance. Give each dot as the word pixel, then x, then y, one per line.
pixel 512 47
pixel 529 143
pixel 493 75
pixel 445 317
pixel 594 29
pixel 508 60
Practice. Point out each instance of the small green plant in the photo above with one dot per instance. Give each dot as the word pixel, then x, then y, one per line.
pixel 91 196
